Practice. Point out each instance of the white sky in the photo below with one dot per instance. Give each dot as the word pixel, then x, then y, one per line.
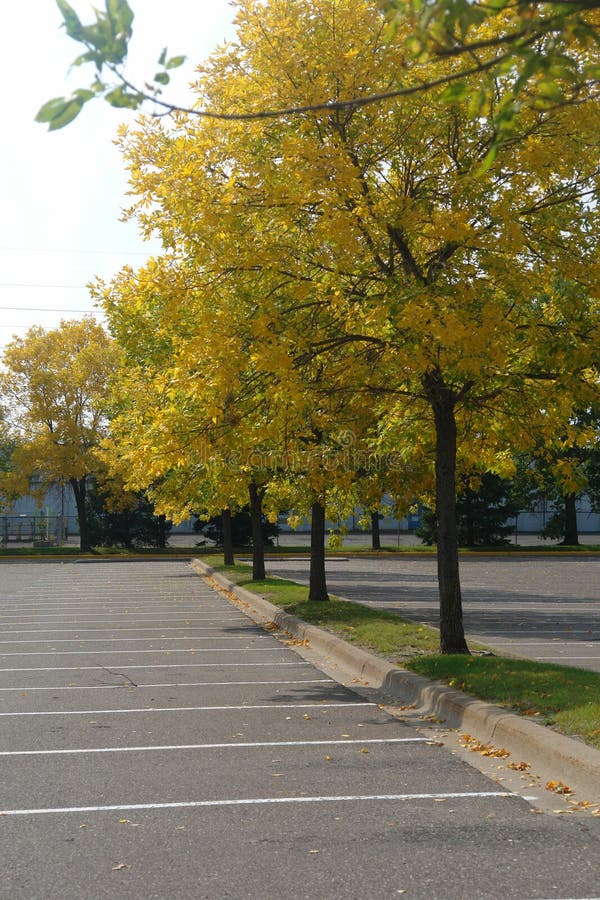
pixel 62 192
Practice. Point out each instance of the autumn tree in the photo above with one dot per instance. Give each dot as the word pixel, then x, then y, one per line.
pixel 54 388
pixel 565 468
pixel 376 247
pixel 540 49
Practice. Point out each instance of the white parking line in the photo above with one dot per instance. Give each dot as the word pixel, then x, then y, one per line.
pixel 263 801
pixel 105 613
pixel 553 643
pixel 251 629
pixel 164 684
pixel 129 640
pixel 44 610
pixel 183 665
pixel 162 709
pixel 171 652
pixel 564 656
pixel 223 746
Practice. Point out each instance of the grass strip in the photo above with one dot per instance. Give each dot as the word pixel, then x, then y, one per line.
pixel 291 550
pixel 563 697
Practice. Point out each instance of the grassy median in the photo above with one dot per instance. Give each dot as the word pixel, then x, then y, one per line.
pixel 562 697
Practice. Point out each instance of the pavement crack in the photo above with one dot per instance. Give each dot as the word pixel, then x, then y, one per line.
pixel 121 674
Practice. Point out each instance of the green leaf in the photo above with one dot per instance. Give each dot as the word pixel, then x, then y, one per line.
pixel 121 99
pixel 176 61
pixel 71 19
pixel 550 90
pixel 163 57
pixel 84 58
pixel 488 160
pixel 70 112
pixel 162 78
pixel 51 109
pixel 455 92
pixel 121 16
pixel 84 94
pixel 477 103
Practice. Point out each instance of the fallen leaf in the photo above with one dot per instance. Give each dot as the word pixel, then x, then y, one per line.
pixel 328 758
pixel 475 746
pixel 120 866
pixel 363 750
pixel 558 787
pixel 519 767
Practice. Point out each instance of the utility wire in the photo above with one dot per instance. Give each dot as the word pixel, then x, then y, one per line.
pixel 74 251
pixel 49 309
pixel 61 286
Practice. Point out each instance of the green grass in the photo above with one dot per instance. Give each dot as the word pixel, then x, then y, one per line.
pixel 563 697
pixel 97 552
pixel 296 550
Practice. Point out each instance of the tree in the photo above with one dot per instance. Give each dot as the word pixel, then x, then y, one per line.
pixel 54 388
pixel 566 467
pixel 372 245
pixel 538 46
pixel 241 527
pixel 129 523
pixel 483 505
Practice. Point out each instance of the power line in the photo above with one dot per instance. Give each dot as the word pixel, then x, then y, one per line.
pixel 62 287
pixel 50 309
pixel 75 251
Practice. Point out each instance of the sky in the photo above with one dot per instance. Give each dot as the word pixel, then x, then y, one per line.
pixel 62 192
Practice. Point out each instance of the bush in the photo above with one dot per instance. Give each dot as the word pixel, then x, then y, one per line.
pixel 241 526
pixel 130 528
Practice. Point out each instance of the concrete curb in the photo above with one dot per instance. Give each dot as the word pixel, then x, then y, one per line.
pixel 554 756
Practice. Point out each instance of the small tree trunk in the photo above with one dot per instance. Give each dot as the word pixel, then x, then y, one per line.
pixel 470 521
pixel 162 531
pixel 258 543
pixel 571 537
pixel 375 532
pixel 228 559
pixel 79 490
pixel 452 635
pixel 317 591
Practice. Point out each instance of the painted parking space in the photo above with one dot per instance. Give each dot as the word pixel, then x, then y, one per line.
pixel 136 766
pixel 541 607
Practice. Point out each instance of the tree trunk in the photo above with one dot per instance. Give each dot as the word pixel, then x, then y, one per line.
pixel 258 543
pixel 571 537
pixel 162 532
pixel 452 635
pixel 317 590
pixel 470 521
pixel 375 533
pixel 79 490
pixel 228 559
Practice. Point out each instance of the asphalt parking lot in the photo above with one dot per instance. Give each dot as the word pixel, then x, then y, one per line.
pixel 540 607
pixel 155 743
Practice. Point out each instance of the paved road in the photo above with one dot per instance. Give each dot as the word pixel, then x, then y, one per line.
pixel 541 607
pixel 155 743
